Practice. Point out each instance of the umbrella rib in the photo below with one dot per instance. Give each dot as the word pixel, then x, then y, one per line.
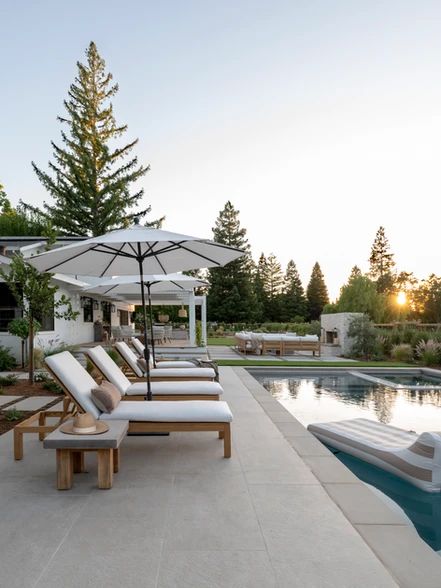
pixel 133 249
pixel 200 255
pixel 66 260
pixel 153 254
pixel 117 254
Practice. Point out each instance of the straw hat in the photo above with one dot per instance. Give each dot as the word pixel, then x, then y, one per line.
pixel 84 424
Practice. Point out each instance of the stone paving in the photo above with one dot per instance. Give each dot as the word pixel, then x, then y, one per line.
pixel 182 516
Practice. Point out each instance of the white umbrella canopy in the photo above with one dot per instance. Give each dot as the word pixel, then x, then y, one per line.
pixel 140 250
pixel 120 252
pixel 128 285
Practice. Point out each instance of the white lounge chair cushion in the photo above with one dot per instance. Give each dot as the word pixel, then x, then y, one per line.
pixel 139 388
pixel 166 364
pixel 190 373
pixel 75 379
pixel 189 411
pixel 108 367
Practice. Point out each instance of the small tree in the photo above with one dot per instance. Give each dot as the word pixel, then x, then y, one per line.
pixel 364 335
pixel 36 297
pixel 20 328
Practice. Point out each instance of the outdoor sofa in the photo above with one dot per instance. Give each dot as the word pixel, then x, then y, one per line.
pixel 278 343
pixel 182 390
pixel 143 417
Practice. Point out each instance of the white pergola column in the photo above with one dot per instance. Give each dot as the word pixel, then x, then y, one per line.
pixel 204 319
pixel 192 318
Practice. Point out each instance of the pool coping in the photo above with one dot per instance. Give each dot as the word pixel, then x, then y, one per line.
pixel 396 544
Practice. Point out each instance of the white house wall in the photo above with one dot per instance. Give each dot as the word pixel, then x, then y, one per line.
pixel 65 332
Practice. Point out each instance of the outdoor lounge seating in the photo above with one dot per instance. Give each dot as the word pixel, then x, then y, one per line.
pixel 278 343
pixel 143 417
pixel 159 374
pixel 162 363
pixel 184 390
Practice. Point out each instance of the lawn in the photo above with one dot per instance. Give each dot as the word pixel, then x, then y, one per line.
pixel 227 341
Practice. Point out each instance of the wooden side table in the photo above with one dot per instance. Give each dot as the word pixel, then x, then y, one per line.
pixel 71 448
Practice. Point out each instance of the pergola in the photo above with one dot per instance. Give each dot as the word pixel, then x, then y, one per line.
pixel 184 298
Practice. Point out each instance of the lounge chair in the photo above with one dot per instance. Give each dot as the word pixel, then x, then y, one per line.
pixel 185 390
pixel 162 363
pixel 143 417
pixel 159 374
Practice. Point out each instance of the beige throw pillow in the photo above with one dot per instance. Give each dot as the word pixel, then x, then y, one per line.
pixel 106 397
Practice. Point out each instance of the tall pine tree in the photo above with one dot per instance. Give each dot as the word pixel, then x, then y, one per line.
pixel 91 177
pixel 273 288
pixel 382 262
pixel 231 297
pixel 294 300
pixel 316 293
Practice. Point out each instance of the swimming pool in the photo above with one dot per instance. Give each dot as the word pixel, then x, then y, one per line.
pixel 322 396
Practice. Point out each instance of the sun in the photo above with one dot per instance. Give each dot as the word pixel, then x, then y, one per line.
pixel 401 298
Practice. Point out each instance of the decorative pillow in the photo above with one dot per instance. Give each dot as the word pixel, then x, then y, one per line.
pixel 106 397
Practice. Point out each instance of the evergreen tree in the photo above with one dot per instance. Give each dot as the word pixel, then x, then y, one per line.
pixel 19 220
pixel 231 297
pixel 294 300
pixel 260 277
pixel 273 288
pixel 382 262
pixel 91 177
pixel 316 293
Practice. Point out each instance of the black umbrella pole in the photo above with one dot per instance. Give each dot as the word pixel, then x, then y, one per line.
pixel 146 347
pixel 151 325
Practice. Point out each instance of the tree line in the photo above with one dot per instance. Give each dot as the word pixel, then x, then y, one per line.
pixel 92 181
pixel 246 291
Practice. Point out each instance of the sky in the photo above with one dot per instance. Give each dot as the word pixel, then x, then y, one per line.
pixel 319 119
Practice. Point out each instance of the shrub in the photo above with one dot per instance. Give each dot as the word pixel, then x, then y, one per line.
pixel 115 356
pixel 13 414
pixel 38 357
pixel 9 380
pixel 402 352
pixel 41 377
pixel 364 336
pixel 428 352
pixel 7 360
pixel 52 386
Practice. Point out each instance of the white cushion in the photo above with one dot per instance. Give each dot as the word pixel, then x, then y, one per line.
pixel 108 368
pixel 166 364
pixel 75 378
pixel 137 345
pixel 140 388
pixel 189 411
pixel 129 357
pixel 190 373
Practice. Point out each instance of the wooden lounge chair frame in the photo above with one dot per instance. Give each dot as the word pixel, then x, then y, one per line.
pixel 42 428
pixel 223 429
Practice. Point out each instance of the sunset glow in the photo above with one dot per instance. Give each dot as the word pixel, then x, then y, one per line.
pixel 401 298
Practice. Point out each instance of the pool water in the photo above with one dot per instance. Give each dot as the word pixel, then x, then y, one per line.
pixel 316 398
pixel 409 379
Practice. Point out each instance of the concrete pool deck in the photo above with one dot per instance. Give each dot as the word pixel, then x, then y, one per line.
pixel 282 512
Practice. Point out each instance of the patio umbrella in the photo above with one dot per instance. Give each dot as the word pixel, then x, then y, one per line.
pixel 131 285
pixel 136 250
